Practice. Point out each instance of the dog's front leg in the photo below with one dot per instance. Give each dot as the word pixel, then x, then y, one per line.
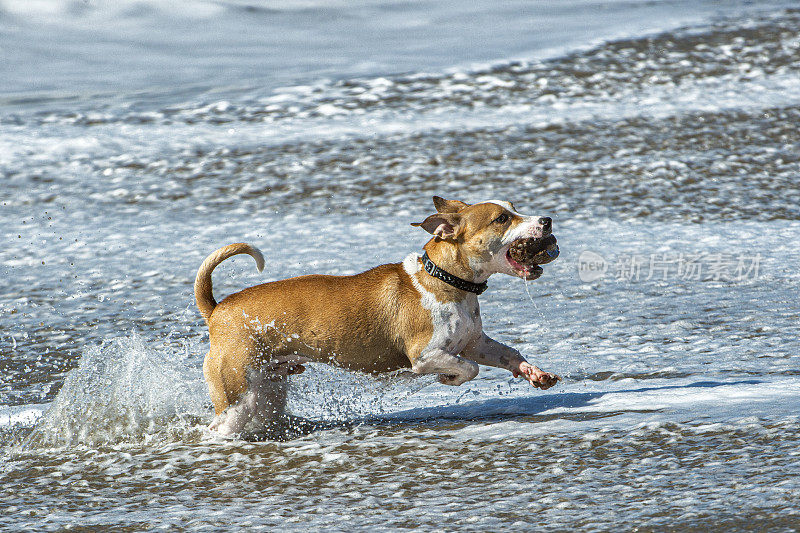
pixel 487 351
pixel 452 369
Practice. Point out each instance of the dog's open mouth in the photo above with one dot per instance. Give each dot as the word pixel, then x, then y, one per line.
pixel 525 255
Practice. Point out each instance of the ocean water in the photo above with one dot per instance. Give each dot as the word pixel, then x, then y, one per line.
pixel 662 138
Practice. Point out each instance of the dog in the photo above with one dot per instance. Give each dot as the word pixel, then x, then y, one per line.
pixel 421 314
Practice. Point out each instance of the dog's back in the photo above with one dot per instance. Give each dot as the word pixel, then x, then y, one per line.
pixel 353 321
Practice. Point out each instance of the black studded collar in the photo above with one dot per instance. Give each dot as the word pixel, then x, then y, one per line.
pixel 455 281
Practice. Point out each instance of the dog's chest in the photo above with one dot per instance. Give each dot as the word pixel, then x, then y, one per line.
pixel 454 323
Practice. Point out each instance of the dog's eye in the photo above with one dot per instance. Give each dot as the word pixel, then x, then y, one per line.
pixel 502 219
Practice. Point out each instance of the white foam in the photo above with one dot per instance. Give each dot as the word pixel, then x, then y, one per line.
pixel 23 415
pixel 707 95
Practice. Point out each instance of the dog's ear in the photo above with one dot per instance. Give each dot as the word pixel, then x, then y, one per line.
pixel 448 206
pixel 441 225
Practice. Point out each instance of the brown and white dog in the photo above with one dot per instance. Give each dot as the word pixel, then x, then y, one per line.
pixel 391 317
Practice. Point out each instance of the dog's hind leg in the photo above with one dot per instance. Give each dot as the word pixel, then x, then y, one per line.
pixel 268 392
pixel 262 406
pixel 226 372
pixel 216 387
pixel 248 380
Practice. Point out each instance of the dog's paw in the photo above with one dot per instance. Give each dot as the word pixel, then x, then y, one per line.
pixel 449 379
pixel 454 380
pixel 536 376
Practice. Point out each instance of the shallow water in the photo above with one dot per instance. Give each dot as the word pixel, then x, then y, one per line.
pixel 666 152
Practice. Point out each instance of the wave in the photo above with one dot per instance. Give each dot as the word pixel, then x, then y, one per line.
pixel 80 12
pixel 126 391
pixel 88 12
pixel 245 49
pixel 684 70
pixel 123 390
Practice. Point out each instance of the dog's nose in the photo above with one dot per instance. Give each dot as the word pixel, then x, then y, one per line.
pixel 547 223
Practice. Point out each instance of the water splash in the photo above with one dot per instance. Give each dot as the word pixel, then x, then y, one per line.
pixel 124 390
pixel 332 394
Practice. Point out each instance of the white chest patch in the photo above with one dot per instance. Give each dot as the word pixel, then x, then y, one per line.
pixel 454 323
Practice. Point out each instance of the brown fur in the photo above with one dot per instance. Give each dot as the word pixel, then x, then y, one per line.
pixel 371 322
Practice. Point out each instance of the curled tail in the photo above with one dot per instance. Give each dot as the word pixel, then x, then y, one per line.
pixel 203 294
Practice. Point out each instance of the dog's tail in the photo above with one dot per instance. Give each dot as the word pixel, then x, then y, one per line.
pixel 203 293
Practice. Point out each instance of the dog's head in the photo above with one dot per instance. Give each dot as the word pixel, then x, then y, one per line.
pixel 493 237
